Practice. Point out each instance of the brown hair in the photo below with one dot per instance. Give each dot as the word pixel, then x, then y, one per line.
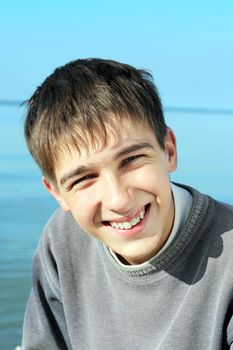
pixel 73 105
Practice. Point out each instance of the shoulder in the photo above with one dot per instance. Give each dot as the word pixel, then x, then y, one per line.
pixel 223 223
pixel 217 222
pixel 224 210
pixel 63 251
pixel 213 216
pixel 63 237
pixel 60 224
pixel 221 210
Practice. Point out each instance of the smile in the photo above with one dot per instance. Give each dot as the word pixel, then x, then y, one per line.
pixel 130 226
pixel 126 225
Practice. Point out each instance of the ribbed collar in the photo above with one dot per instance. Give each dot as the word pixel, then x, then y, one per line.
pixel 183 238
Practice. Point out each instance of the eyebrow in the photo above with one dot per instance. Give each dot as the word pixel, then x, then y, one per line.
pixel 75 172
pixel 133 148
pixel 123 152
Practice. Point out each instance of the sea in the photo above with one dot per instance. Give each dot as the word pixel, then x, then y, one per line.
pixel 205 161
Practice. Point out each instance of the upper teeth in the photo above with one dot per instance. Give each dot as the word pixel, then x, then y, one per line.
pixel 129 224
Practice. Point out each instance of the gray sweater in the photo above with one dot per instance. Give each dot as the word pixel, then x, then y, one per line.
pixel 83 299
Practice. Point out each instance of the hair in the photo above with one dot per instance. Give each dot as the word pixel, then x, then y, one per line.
pixel 74 106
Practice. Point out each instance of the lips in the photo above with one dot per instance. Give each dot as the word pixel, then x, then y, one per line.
pixel 126 225
pixel 131 226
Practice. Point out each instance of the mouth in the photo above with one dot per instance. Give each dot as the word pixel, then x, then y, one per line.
pixel 128 227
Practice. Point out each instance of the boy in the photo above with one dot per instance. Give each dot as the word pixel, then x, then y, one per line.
pixel 132 261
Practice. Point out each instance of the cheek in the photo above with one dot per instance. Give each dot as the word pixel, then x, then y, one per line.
pixel 150 178
pixel 83 208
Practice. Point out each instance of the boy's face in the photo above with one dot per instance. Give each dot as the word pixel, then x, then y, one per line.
pixel 121 193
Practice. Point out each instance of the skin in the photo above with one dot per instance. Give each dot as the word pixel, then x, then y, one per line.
pixel 113 183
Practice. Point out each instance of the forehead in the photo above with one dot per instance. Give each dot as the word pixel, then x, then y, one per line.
pixel 103 150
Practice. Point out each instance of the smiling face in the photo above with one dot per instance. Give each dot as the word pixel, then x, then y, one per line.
pixel 120 193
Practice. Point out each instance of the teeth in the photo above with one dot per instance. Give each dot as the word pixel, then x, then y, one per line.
pixel 135 220
pixel 128 224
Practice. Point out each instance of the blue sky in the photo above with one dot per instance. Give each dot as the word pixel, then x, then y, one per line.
pixel 187 45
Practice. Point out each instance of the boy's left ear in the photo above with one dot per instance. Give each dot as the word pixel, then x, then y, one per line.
pixel 170 147
pixel 55 193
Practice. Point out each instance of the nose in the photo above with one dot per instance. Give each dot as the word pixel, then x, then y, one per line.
pixel 116 195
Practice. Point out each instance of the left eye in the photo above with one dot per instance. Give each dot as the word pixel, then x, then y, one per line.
pixel 131 159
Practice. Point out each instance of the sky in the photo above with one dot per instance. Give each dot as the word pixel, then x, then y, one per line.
pixel 186 45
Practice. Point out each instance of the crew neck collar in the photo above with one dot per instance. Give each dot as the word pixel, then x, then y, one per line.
pixel 183 237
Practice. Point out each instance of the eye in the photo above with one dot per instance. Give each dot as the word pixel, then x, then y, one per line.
pixel 131 159
pixel 81 181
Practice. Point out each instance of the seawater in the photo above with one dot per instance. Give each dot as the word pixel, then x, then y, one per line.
pixel 204 145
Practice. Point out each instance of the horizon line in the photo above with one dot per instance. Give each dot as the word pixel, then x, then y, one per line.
pixel 174 109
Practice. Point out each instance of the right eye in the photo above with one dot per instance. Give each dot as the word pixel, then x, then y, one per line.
pixel 81 181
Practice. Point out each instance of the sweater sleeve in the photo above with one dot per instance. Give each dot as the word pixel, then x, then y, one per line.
pixel 230 332
pixel 44 323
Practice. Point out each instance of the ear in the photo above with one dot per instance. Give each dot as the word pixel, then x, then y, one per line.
pixel 170 149
pixel 52 189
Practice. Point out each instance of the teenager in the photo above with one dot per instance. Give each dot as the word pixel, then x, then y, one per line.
pixel 131 260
